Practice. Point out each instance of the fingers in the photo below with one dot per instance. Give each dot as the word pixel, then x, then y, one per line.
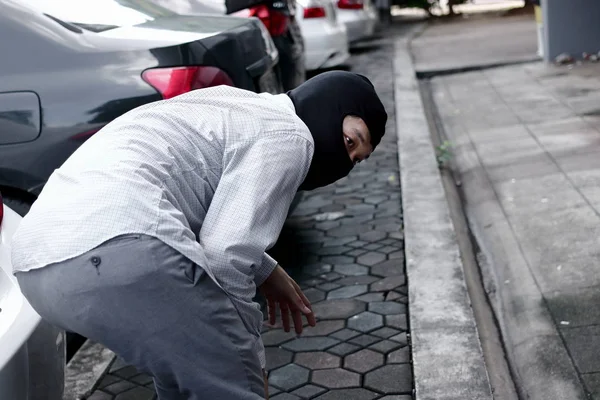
pixel 285 316
pixel 297 321
pixel 310 316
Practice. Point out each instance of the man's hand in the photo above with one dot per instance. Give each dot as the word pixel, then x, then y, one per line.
pixel 280 289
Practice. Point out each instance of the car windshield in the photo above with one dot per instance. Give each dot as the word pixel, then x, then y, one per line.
pixel 99 15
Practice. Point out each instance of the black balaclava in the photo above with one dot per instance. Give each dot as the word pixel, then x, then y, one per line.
pixel 322 103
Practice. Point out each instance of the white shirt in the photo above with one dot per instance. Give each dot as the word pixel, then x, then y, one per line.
pixel 211 173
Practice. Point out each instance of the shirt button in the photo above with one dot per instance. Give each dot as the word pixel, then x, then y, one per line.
pixel 96 261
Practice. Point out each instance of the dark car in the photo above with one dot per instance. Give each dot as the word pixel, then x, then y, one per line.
pixel 278 16
pixel 70 67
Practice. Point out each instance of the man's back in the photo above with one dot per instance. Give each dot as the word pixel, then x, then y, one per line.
pixel 154 170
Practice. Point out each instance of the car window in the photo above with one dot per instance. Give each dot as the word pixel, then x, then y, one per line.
pixel 115 13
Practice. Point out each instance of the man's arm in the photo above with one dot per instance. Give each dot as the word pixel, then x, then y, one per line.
pixel 250 205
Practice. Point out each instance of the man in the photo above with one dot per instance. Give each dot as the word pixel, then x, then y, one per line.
pixel 151 238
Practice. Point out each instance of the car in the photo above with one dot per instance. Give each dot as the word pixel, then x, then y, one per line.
pixel 32 353
pixel 324 35
pixel 360 18
pixel 71 67
pixel 278 16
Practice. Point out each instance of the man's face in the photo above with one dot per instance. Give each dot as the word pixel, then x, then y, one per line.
pixel 357 138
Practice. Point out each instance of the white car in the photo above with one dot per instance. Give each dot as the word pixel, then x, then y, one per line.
pixel 32 353
pixel 359 16
pixel 325 38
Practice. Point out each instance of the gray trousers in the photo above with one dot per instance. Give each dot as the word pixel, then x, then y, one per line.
pixel 156 309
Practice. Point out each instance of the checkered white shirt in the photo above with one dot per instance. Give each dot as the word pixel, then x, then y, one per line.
pixel 211 173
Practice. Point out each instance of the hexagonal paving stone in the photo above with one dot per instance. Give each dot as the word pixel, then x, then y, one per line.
pixel 365 322
pixel 388 283
pixel 355 252
pixel 324 328
pixel 364 340
pixel 359 280
pixel 345 334
pixel 400 356
pixel 351 269
pixel 397 321
pixel 344 349
pixel 138 393
pixel 346 230
pixel 391 296
pixel 310 343
pixel 337 309
pixel 370 258
pixel 363 361
pixel 318 360
pixel 400 338
pixel 331 276
pixel 329 286
pixel 308 391
pixel 336 378
pixel 387 307
pixel 318 269
pixel 373 246
pixel 336 250
pixel 380 379
pixel 338 260
pixel 388 249
pixel 348 394
pixel 346 292
pixel 289 377
pixel 372 236
pixel 385 332
pixel 100 395
pixel 119 387
pixel 338 241
pixel 397 255
pixel 314 295
pixel 277 357
pixel 399 397
pixel 385 346
pixel 275 337
pixel 357 244
pixel 370 297
pixel 387 268
pixel 285 396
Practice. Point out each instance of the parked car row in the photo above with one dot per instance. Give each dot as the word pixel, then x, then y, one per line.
pixel 71 66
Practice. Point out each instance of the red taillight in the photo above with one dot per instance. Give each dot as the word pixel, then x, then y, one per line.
pixel 275 21
pixel 350 4
pixel 173 81
pixel 314 12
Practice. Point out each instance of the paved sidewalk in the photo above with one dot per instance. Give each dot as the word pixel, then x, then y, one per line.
pixel 344 244
pixel 477 40
pixel 528 150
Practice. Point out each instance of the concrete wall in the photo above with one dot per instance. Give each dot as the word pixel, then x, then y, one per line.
pixel 571 26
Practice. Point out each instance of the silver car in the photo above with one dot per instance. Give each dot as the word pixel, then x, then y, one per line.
pixel 32 353
pixel 359 16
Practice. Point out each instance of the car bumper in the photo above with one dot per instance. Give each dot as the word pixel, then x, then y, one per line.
pixel 326 45
pixel 359 25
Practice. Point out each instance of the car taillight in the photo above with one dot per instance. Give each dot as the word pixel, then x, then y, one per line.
pixel 173 81
pixel 275 21
pixel 350 4
pixel 314 12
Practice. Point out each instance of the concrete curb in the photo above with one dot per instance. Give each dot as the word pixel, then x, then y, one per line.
pixel 85 370
pixel 447 356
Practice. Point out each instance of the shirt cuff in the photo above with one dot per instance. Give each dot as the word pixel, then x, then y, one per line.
pixel 266 268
